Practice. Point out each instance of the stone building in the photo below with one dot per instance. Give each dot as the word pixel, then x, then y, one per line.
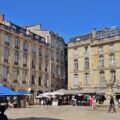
pixel 57 58
pixel 28 61
pixel 94 60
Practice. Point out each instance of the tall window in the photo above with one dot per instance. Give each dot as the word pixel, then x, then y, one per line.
pixel 75 53
pixel 86 63
pixel 17 43
pixel 112 60
pixel 24 60
pixel 100 49
pixel 52 55
pixel 46 65
pixel 40 65
pixel 87 79
pixel 46 80
pixel 6 54
pixel 16 57
pixel 102 77
pixel 34 49
pixel 24 76
pixel 15 74
pixel 6 39
pixel 5 73
pixel 33 63
pixel 33 80
pixel 113 76
pixel 111 47
pixel 101 61
pixel 46 53
pixel 75 80
pixel 86 51
pixel 40 51
pixel 39 80
pixel 75 64
pixel 25 46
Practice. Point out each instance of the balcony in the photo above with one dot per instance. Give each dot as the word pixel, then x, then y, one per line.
pixel 101 67
pixel 7 43
pixel 103 84
pixel 112 66
pixel 15 81
pixel 17 47
pixel 23 81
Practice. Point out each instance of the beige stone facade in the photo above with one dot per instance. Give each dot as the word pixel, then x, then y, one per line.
pixel 94 59
pixel 57 59
pixel 26 59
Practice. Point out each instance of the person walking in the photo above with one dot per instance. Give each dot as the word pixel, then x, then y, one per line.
pixel 94 103
pixel 112 105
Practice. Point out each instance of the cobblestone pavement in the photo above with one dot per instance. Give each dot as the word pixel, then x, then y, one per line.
pixel 61 113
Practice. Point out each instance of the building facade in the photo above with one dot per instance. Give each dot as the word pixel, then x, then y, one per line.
pixel 27 61
pixel 94 60
pixel 57 59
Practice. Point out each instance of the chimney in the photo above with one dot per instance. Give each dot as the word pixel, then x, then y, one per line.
pixel 1 18
pixel 94 33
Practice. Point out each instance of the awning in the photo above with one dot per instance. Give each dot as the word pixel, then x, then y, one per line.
pixel 87 91
pixel 4 91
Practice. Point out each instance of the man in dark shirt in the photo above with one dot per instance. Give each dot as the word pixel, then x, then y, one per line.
pixel 112 105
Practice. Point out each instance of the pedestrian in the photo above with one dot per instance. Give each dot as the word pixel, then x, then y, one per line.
pixel 112 105
pixel 93 103
pixel 90 101
pixel 2 115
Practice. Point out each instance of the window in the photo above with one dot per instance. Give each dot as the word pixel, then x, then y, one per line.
pixel 39 80
pixel 111 47
pixel 46 66
pixel 33 80
pixel 17 43
pixel 6 39
pixel 75 64
pixel 102 77
pixel 40 51
pixel 101 61
pixel 75 53
pixel 101 49
pixel 86 63
pixel 112 60
pixel 6 54
pixel 16 58
pixel 15 74
pixel 46 80
pixel 40 65
pixel 25 46
pixel 52 55
pixel 86 52
pixel 46 53
pixel 53 70
pixel 75 80
pixel 24 76
pixel 5 73
pixel 24 60
pixel 87 79
pixel 113 76
pixel 34 49
pixel 33 63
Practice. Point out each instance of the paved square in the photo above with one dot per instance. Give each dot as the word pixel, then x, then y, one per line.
pixel 61 113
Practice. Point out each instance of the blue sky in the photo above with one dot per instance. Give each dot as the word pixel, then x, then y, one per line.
pixel 66 17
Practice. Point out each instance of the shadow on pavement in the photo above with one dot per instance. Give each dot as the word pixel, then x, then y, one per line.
pixel 34 118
